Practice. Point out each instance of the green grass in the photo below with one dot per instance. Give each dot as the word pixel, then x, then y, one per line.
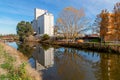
pixel 13 73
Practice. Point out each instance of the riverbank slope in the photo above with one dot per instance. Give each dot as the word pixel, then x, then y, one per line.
pixel 14 65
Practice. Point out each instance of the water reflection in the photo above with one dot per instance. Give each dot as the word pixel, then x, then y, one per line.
pixel 108 68
pixel 44 61
pixel 44 58
pixel 26 48
pixel 71 64
pixel 73 67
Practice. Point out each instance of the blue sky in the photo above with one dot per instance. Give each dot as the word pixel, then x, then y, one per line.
pixel 13 11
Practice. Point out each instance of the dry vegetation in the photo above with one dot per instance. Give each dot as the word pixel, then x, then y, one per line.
pixel 13 65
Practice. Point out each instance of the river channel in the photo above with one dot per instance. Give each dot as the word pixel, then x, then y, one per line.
pixel 60 63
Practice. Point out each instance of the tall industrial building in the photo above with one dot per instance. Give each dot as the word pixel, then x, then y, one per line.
pixel 43 22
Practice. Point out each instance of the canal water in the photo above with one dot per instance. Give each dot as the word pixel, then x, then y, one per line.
pixel 59 63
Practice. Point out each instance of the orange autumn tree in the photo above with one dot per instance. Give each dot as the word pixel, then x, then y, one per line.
pixel 101 23
pixel 104 24
pixel 109 24
pixel 117 21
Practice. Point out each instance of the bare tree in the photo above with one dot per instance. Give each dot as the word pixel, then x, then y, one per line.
pixel 96 25
pixel 71 22
pixel 55 30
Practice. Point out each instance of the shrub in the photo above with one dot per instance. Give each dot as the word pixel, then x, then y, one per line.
pixel 95 40
pixel 24 29
pixel 45 37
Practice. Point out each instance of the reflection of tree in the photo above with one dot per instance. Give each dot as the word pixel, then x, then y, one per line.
pixel 45 47
pixel 73 67
pixel 70 64
pixel 26 49
pixel 108 68
pixel 69 67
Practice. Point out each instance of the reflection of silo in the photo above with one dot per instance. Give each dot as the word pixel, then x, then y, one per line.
pixel 49 57
pixel 44 57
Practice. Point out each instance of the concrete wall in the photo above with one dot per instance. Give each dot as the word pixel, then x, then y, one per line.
pixel 41 25
pixel 34 25
pixel 38 12
pixel 49 24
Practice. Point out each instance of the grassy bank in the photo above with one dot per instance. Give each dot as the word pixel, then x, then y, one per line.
pixel 88 46
pixel 14 66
